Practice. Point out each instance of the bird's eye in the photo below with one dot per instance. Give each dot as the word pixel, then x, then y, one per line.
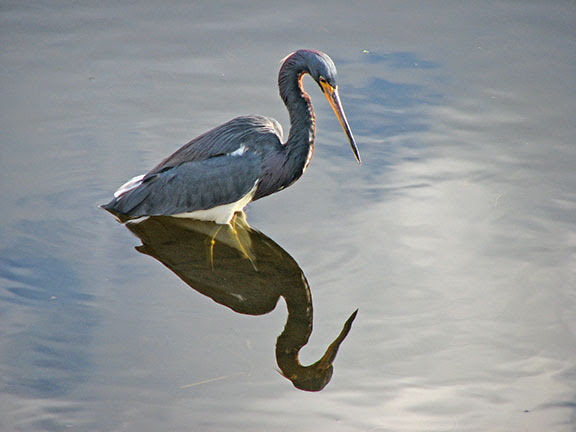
pixel 323 80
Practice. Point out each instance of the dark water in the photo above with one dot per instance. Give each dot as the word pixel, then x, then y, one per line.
pixel 456 239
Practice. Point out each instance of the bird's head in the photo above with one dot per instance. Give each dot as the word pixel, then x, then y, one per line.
pixel 322 70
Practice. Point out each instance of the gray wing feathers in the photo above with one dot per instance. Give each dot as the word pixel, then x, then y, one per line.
pixel 227 138
pixel 216 168
pixel 191 186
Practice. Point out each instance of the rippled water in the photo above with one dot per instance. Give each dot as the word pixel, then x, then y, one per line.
pixel 456 239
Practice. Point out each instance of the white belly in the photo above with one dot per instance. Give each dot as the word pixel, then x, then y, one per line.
pixel 221 214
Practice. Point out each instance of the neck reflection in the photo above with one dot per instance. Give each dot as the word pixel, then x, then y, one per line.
pixel 241 268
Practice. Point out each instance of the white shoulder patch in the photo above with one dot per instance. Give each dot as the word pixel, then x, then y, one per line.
pixel 239 152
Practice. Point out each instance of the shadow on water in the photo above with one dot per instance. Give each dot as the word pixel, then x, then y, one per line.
pixel 239 267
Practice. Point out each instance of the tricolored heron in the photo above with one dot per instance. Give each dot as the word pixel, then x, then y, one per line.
pixel 221 171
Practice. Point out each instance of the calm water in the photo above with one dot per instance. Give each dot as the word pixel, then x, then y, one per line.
pixel 456 239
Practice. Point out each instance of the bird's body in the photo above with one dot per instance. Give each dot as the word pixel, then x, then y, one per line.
pixel 222 170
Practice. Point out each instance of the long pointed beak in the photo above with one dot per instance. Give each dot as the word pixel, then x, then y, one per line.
pixel 331 94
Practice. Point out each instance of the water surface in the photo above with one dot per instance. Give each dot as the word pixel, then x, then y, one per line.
pixel 455 239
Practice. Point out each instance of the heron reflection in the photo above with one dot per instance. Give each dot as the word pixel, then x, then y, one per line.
pixel 241 268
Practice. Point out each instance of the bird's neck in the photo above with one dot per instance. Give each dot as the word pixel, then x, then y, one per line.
pixel 300 143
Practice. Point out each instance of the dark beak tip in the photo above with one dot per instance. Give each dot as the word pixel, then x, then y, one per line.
pixel 357 155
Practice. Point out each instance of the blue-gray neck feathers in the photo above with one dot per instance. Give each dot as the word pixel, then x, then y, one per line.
pixel 300 143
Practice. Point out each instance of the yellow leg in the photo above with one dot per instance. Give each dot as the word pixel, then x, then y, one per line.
pixel 241 247
pixel 211 247
pixel 230 240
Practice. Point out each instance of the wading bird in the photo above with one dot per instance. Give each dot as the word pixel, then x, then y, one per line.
pixel 221 171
